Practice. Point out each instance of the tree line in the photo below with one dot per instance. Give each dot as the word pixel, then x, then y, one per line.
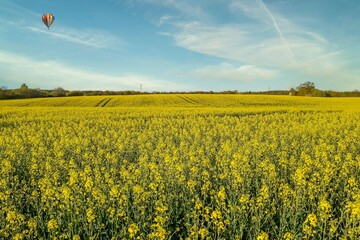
pixel 25 92
pixel 304 89
pixel 309 89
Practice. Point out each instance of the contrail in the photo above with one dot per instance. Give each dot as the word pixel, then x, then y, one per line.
pixel 263 5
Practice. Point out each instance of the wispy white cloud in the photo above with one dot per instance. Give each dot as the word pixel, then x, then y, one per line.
pixel 23 19
pixel 332 68
pixel 268 40
pixel 50 74
pixel 16 10
pixel 265 44
pixel 235 42
pixel 262 5
pixel 187 8
pixel 184 6
pixel 226 71
pixel 87 37
pixel 163 20
pixel 327 65
pixel 6 24
pixel 249 8
pixel 12 16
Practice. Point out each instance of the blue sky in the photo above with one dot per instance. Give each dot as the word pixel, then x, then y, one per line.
pixel 180 45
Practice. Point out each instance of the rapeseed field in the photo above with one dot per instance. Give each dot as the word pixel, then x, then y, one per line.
pixel 180 167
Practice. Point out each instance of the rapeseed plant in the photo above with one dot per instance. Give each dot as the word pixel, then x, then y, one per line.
pixel 236 167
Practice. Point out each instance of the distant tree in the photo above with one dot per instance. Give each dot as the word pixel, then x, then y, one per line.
pixel 37 92
pixel 24 91
pixel 24 86
pixel 58 92
pixel 75 93
pixel 306 88
pixel 3 92
pixel 318 93
pixel 293 92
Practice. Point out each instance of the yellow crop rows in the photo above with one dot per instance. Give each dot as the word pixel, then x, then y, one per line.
pixel 180 166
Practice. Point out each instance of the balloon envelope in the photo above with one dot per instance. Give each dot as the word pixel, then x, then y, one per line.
pixel 48 19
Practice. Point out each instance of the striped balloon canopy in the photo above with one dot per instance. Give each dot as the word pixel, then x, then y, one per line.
pixel 48 19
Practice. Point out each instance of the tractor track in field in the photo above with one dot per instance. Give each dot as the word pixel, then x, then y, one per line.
pixel 103 102
pixel 98 104
pixel 106 102
pixel 189 100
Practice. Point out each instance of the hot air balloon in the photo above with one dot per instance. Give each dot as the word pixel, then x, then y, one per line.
pixel 48 19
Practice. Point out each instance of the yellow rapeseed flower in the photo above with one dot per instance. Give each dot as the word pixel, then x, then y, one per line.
pixel 133 229
pixel 52 225
pixel 263 236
